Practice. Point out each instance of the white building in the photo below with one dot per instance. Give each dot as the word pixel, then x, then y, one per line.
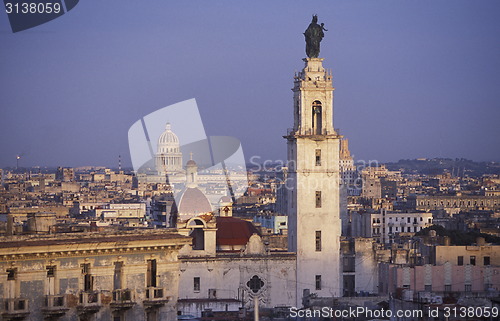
pixel 168 159
pixel 130 213
pixel 384 225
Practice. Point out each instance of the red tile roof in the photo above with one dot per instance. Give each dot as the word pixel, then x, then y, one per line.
pixel 234 231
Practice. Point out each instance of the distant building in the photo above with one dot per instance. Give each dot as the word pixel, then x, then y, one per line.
pixel 130 214
pixel 348 173
pixel 275 223
pixel 453 204
pixel 168 159
pixel 383 226
pixel 65 174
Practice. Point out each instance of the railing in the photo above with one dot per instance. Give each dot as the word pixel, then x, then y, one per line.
pixel 55 301
pixel 310 132
pixel 122 295
pixel 153 293
pixel 90 298
pixel 16 305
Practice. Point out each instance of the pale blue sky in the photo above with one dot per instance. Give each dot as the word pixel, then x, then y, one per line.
pixel 413 78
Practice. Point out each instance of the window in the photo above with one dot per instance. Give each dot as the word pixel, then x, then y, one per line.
pixel 151 274
pixel 196 284
pixel 318 199
pixel 472 260
pixel 317 118
pixel 468 287
pixel 486 260
pixel 318 157
pixel 255 284
pixel 11 274
pixel 428 288
pixel 51 271
pixel 460 260
pixel 447 288
pixel 87 277
pixel 117 277
pixel 408 219
pixel 318 241
pixel 318 282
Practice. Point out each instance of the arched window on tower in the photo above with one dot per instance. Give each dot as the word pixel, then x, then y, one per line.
pixel 317 122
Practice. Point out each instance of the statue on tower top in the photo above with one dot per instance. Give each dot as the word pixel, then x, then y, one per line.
pixel 314 34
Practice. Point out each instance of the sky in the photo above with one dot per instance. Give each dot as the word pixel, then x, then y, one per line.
pixel 412 78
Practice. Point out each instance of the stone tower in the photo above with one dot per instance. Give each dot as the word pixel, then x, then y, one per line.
pixel 313 184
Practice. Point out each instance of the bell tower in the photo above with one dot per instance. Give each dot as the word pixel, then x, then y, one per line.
pixel 313 184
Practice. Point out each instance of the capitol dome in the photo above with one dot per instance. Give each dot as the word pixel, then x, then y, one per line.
pixel 168 156
pixel 168 141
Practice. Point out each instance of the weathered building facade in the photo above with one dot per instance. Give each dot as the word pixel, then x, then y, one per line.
pixel 129 276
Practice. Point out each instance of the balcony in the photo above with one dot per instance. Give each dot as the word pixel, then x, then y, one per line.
pixel 89 302
pixel 122 299
pixel 15 309
pixel 54 306
pixel 155 297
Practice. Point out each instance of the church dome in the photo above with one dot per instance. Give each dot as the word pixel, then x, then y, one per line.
pixel 168 141
pixel 194 202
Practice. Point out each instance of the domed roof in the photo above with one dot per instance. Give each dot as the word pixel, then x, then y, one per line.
pixel 193 201
pixel 191 163
pixel 168 137
pixel 234 231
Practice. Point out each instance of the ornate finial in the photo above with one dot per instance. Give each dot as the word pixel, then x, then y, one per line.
pixel 168 126
pixel 314 34
pixel 191 155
